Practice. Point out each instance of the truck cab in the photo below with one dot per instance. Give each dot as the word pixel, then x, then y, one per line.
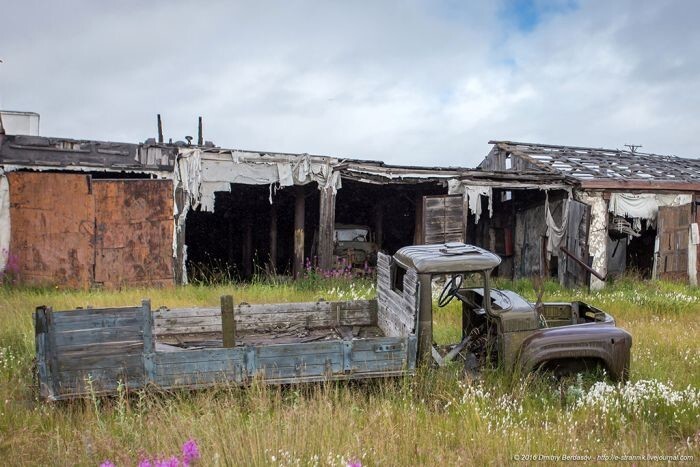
pixel 506 329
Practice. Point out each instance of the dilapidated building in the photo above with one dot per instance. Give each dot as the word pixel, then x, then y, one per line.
pixel 101 214
pixel 624 211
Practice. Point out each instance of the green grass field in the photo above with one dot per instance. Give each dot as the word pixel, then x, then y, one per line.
pixel 435 418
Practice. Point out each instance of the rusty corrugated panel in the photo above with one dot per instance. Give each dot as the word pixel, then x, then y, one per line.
pixel 52 220
pixel 134 232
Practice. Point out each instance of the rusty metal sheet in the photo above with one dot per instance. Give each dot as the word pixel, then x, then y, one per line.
pixel 673 226
pixel 134 233
pixel 52 221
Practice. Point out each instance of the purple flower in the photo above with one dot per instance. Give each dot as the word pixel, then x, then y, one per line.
pixel 145 463
pixel 354 463
pixel 107 463
pixel 172 462
pixel 190 451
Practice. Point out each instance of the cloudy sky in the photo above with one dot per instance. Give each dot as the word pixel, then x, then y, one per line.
pixel 407 82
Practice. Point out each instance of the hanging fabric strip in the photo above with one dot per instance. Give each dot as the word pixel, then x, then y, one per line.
pixel 555 234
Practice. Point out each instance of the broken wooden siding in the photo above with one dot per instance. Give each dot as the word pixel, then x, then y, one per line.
pixel 673 229
pixel 443 219
pixel 52 228
pixel 578 224
pixel 134 233
pixel 530 232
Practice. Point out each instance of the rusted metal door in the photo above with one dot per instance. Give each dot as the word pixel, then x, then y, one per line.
pixel 578 223
pixel 52 218
pixel 134 232
pixel 672 233
pixel 443 219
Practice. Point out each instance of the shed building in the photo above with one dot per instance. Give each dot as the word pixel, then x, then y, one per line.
pixel 625 211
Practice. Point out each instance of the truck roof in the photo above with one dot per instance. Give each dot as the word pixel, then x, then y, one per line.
pixel 447 258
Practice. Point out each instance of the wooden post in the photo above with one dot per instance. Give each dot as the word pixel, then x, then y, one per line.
pixel 299 208
pixel 149 345
pixel 326 227
pixel 46 387
pixel 247 247
pixel 425 319
pixel 228 323
pixel 273 239
pixel 379 224
pixel 418 226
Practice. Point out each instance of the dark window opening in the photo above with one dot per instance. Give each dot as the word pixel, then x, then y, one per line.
pixel 398 273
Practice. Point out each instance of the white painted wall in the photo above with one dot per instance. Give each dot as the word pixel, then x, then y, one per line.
pixel 20 123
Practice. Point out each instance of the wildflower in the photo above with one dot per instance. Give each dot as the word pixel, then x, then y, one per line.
pixel 354 463
pixel 107 463
pixel 190 452
pixel 145 463
pixel 172 462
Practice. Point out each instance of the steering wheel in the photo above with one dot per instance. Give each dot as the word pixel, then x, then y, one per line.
pixel 450 290
pixel 359 238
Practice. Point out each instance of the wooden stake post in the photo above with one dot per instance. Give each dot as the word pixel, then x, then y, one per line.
pixel 228 324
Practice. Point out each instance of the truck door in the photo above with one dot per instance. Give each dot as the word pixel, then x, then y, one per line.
pixel 443 219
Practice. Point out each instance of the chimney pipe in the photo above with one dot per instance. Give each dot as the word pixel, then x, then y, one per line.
pixel 160 130
pixel 200 138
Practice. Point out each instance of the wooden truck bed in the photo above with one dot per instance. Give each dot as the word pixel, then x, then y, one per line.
pixel 94 350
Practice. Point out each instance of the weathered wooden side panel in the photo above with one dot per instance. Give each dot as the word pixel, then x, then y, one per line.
pixel 530 231
pixel 52 228
pixel 261 317
pixel 134 232
pixel 443 219
pixel 396 310
pixel 93 350
pixel 673 227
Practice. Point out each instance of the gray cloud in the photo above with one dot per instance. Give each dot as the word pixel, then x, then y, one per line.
pixel 406 82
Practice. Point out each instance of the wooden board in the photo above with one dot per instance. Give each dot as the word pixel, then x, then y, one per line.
pixel 134 233
pixel 579 219
pixel 52 228
pixel 443 219
pixel 672 232
pixel 397 310
pixel 267 317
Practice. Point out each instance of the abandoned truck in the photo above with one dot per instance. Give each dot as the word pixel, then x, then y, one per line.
pixel 86 351
pixel 354 244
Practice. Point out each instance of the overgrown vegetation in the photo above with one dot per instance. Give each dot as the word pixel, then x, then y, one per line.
pixel 438 417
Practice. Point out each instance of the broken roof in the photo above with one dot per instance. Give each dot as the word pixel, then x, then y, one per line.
pixel 64 153
pixel 597 167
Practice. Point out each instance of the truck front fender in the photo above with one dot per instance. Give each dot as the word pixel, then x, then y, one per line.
pixel 607 343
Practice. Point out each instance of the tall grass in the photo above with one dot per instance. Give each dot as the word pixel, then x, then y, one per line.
pixel 436 417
